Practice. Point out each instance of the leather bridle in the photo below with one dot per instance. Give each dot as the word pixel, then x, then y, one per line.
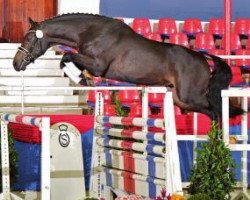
pixel 28 56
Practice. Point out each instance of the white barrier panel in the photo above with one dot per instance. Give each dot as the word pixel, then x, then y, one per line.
pixel 67 172
pixel 244 147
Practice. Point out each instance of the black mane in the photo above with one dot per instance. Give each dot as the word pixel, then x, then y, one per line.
pixel 74 15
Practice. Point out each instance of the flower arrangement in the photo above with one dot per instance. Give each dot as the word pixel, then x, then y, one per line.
pixel 130 197
pixel 164 195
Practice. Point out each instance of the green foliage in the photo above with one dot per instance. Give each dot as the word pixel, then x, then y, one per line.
pixel 120 111
pixel 199 197
pixel 90 198
pixel 214 172
pixel 13 161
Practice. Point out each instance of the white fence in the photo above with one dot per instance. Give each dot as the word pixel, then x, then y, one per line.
pixel 242 138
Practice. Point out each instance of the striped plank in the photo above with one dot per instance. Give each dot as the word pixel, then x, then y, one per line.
pixel 7 100
pixel 35 81
pixel 8 46
pixel 35 121
pixel 42 92
pixel 33 72
pixel 128 145
pixel 128 133
pixel 10 53
pixel 131 121
pixel 132 183
pixel 129 161
pixel 39 63
pixel 43 109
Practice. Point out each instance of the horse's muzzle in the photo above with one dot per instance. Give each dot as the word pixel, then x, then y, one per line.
pixel 19 66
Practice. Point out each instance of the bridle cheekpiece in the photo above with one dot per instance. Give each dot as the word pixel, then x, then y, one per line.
pixel 28 57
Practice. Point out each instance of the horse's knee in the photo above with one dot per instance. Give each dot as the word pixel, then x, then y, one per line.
pixel 65 59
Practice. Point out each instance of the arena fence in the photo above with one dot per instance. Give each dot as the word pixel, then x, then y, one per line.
pixel 241 144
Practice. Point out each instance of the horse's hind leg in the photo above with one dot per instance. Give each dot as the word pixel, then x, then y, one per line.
pixel 186 107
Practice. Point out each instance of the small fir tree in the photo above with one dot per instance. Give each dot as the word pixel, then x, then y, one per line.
pixel 214 172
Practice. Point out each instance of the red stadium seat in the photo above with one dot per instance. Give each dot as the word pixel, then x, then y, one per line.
pixel 91 97
pixel 242 26
pixel 141 26
pixel 166 26
pixel 155 99
pixel 135 110
pixel 153 36
pixel 235 42
pixel 109 110
pixel 192 26
pixel 179 38
pixel 245 63
pixel 204 41
pixel 248 43
pixel 237 79
pixel 217 51
pixel 216 26
pixel 128 96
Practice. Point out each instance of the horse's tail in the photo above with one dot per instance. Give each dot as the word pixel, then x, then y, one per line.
pixel 220 79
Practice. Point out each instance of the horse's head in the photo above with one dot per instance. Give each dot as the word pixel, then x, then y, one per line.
pixel 34 45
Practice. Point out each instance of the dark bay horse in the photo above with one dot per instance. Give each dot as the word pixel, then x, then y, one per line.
pixel 109 48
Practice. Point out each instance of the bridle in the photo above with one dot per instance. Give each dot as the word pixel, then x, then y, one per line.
pixel 28 56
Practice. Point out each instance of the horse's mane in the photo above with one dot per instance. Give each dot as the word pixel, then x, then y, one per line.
pixel 74 15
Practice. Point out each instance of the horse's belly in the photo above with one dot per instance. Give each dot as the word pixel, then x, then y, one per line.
pixel 136 75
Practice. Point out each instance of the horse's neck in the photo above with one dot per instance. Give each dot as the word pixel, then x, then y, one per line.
pixel 67 36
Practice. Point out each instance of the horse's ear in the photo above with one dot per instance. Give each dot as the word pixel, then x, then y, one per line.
pixel 32 23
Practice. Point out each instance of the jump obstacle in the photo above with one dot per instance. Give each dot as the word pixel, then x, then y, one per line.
pixel 132 134
pixel 44 126
pixel 135 160
pixel 60 179
pixel 159 162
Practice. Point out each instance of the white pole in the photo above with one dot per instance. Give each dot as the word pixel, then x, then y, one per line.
pixel 145 113
pixel 225 118
pixel 195 134
pixel 45 158
pixel 95 179
pixel 5 161
pixel 244 152
pixel 173 176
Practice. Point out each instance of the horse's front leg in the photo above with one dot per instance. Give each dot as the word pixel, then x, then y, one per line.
pixel 73 69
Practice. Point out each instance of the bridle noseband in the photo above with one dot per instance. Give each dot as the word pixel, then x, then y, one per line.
pixel 28 57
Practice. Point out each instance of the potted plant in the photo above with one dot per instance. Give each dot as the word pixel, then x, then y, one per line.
pixel 214 171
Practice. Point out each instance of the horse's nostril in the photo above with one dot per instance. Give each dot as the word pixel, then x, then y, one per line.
pixel 15 65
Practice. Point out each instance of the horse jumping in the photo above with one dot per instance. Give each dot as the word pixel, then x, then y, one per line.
pixel 109 48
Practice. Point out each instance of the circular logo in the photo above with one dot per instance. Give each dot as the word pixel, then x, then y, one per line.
pixel 64 139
